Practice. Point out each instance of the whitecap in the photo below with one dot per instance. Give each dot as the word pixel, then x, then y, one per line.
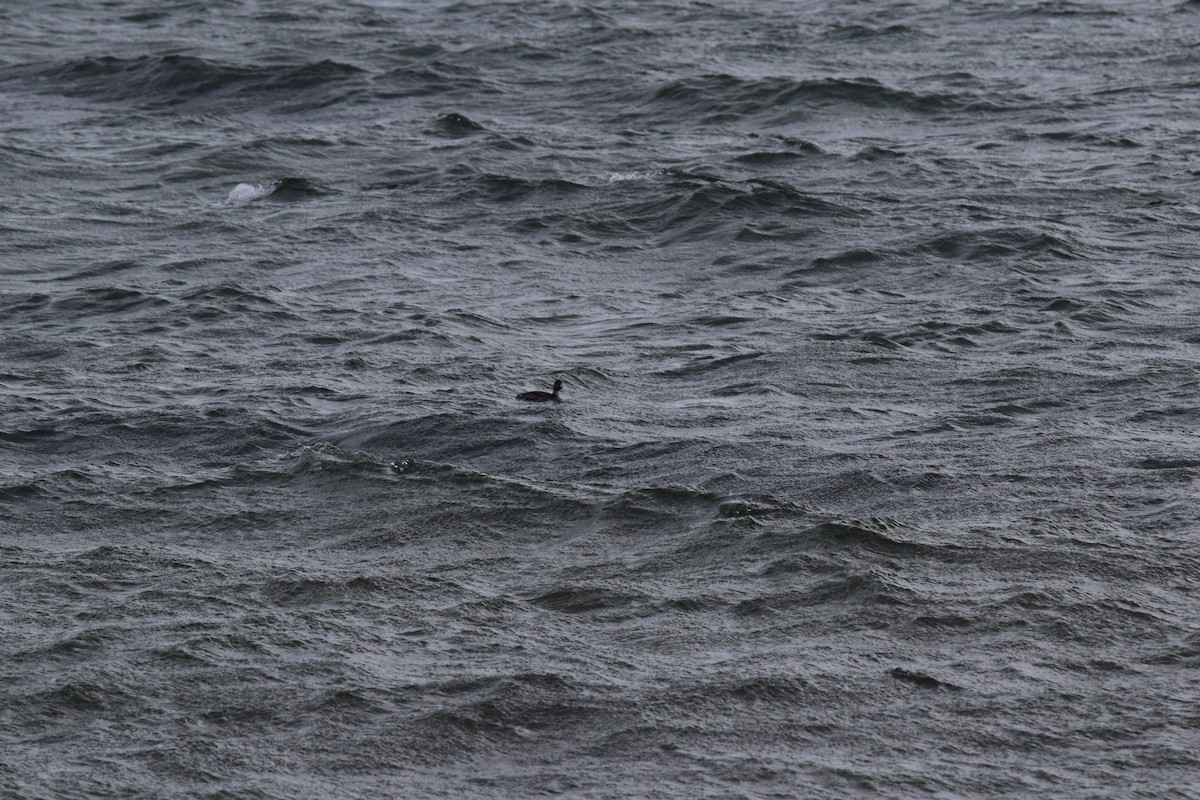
pixel 245 193
pixel 621 177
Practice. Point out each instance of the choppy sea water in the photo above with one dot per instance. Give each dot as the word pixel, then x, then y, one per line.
pixel 875 472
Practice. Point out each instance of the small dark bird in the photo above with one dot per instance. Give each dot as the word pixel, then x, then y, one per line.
pixel 541 397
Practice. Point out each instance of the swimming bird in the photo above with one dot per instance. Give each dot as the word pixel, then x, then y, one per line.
pixel 541 397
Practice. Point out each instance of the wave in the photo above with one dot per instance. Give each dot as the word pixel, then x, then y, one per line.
pixel 863 595
pixel 854 258
pixel 863 536
pixel 690 206
pixel 483 713
pixel 784 151
pixel 1087 138
pixel 641 209
pixel 198 304
pixel 975 247
pixel 1004 242
pixel 922 680
pixel 438 77
pixel 454 126
pixel 720 99
pixel 1063 8
pixel 583 598
pixel 859 32
pixel 175 81
pixel 499 188
pixel 941 335
pixel 107 300
pixel 284 190
pixel 19 493
pixel 310 592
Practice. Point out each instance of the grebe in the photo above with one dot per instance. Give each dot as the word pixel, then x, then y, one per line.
pixel 541 397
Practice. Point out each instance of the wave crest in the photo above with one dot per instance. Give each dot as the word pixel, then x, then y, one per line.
pixel 161 82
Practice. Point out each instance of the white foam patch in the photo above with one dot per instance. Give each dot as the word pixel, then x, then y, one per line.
pixel 622 177
pixel 245 193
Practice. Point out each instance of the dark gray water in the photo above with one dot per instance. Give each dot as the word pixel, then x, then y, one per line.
pixel 875 472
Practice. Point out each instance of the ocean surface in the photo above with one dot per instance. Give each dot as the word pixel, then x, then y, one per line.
pixel 876 468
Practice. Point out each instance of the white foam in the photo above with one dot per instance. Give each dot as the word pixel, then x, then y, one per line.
pixel 621 177
pixel 245 193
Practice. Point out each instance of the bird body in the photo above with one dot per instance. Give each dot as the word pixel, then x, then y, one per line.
pixel 541 397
